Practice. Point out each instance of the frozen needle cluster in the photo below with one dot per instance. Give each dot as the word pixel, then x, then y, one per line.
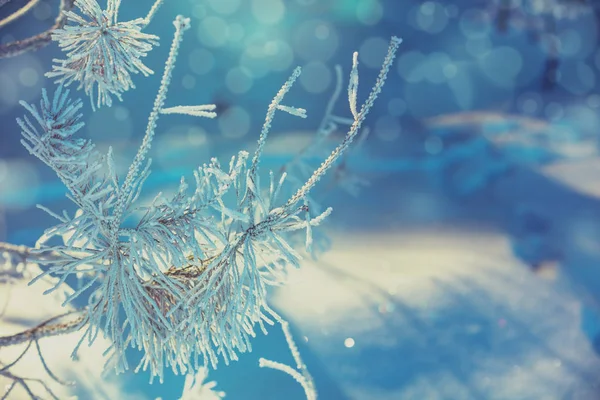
pixel 102 52
pixel 186 283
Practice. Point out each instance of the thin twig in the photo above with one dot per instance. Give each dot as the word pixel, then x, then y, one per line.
pixel 47 369
pixel 47 328
pixel 23 382
pixel 26 253
pixel 19 13
pixel 38 41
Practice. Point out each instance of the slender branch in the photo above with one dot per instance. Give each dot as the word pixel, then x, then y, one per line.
pixel 300 374
pixel 26 253
pixel 273 107
pixel 19 13
pixel 22 251
pixel 153 11
pixel 358 120
pixel 47 328
pixel 181 25
pixel 5 372
pixel 322 126
pixel 40 40
pixel 23 382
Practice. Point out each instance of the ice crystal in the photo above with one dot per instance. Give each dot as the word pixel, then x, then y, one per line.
pixel 101 52
pixel 187 284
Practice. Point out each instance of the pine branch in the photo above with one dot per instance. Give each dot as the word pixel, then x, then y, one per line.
pixel 47 328
pixel 359 118
pixel 189 282
pixel 181 25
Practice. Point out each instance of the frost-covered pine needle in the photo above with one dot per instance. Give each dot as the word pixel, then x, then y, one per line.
pixel 300 374
pixel 205 111
pixel 101 52
pixel 196 387
pixel 299 112
pixel 353 86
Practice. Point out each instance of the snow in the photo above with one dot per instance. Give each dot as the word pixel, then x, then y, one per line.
pixel 24 307
pixel 582 176
pixel 440 314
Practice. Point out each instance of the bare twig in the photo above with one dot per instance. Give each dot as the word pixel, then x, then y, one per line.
pixel 38 41
pixel 25 382
pixel 19 13
pixel 25 253
pixel 47 328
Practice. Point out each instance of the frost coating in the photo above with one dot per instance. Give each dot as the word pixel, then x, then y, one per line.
pixel 102 52
pixel 187 284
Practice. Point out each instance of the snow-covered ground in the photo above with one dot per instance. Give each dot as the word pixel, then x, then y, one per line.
pixel 420 297
pixel 440 314
pixel 22 307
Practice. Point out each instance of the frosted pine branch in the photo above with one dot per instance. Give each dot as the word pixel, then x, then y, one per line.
pixel 153 11
pixel 275 104
pixel 187 284
pixel 359 119
pixel 181 25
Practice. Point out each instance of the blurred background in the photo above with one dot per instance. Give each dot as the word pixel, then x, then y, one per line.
pixel 462 259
